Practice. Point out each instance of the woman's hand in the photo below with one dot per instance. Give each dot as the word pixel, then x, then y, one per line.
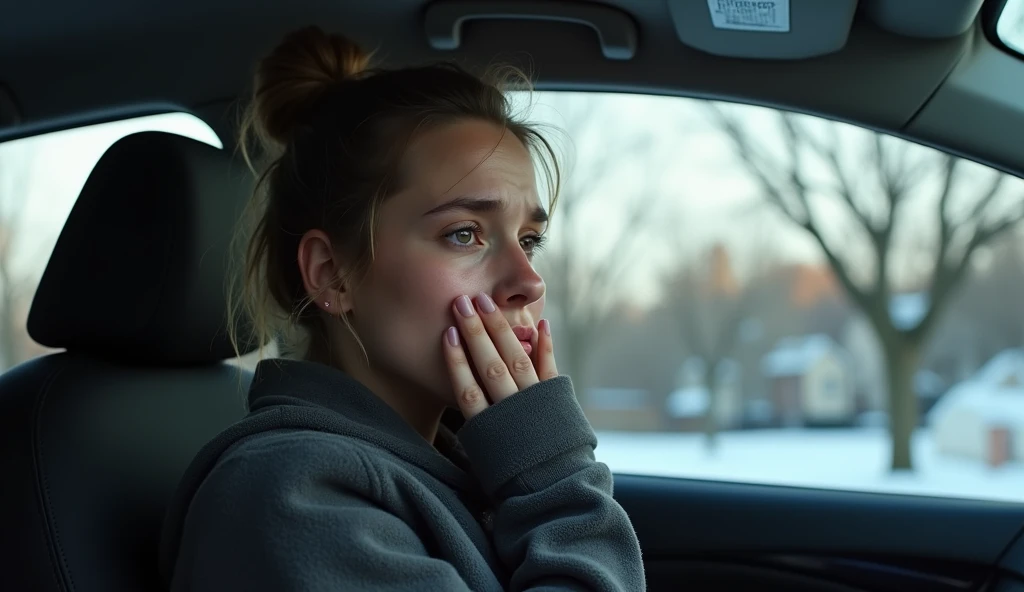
pixel 495 353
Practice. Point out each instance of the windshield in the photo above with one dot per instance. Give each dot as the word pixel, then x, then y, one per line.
pixel 1010 27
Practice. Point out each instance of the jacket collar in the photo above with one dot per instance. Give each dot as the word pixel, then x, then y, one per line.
pixel 363 415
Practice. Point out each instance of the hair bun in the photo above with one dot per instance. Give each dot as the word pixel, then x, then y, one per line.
pixel 296 74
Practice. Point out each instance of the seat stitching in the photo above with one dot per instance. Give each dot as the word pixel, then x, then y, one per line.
pixel 44 489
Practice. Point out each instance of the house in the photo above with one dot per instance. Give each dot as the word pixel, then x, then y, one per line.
pixel 809 382
pixel 982 417
pixel 687 405
pixel 867 364
pixel 685 408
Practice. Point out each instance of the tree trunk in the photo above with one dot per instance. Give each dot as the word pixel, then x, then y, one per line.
pixel 902 359
pixel 710 419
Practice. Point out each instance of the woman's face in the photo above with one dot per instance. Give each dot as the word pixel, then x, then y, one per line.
pixel 468 221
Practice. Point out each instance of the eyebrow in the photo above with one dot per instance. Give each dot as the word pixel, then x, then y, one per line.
pixel 484 206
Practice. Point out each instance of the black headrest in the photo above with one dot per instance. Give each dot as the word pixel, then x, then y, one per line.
pixel 138 273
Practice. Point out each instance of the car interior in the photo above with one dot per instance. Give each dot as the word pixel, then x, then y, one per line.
pixel 94 438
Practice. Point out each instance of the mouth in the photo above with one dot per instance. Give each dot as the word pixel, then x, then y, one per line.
pixel 525 335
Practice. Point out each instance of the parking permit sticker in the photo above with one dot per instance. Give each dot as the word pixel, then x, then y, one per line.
pixel 769 16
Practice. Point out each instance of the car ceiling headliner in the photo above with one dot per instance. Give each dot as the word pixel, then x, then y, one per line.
pixel 68 59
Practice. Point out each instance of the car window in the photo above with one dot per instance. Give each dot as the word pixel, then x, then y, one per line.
pixel 1010 26
pixel 734 290
pixel 745 294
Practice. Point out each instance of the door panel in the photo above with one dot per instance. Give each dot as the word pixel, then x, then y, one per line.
pixel 711 535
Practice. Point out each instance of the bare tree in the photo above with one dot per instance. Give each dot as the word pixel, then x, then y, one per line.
pixel 985 316
pixel 590 252
pixel 711 307
pixel 875 190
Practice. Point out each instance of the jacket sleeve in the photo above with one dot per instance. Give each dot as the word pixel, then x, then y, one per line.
pixel 298 534
pixel 556 525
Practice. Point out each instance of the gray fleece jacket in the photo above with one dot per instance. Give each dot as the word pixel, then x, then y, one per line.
pixel 324 487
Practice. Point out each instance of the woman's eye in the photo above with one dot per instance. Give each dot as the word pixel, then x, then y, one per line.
pixel 532 244
pixel 463 237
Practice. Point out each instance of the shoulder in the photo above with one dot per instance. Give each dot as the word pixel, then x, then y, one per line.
pixel 295 509
pixel 294 462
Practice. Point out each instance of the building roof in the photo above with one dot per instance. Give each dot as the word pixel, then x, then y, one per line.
pixel 794 356
pixel 995 392
pixel 691 401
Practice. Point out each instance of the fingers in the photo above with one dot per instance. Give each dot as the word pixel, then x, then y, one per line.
pixel 495 374
pixel 544 357
pixel 468 394
pixel 485 358
pixel 509 347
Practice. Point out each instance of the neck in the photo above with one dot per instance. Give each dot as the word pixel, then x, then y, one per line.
pixel 419 409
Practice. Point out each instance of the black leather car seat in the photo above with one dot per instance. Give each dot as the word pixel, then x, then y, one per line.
pixel 94 439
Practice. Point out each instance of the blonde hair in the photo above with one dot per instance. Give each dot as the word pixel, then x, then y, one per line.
pixel 329 134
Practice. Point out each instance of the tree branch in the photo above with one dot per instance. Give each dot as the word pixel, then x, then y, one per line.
pixel 771 189
pixel 733 130
pixel 948 276
pixel 619 255
pixel 978 211
pixel 880 234
pixel 829 152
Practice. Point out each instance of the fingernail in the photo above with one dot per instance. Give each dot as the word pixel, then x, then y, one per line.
pixel 545 326
pixel 485 302
pixel 453 337
pixel 464 306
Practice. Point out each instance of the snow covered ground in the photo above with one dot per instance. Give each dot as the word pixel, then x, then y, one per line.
pixel 849 459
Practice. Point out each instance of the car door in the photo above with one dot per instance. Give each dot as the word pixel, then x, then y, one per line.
pixel 706 535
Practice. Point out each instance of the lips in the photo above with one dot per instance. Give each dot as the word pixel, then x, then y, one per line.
pixel 524 333
pixel 525 336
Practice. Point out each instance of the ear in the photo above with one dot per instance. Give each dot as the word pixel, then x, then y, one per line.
pixel 321 269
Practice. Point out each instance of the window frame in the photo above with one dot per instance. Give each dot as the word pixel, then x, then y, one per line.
pixel 991 13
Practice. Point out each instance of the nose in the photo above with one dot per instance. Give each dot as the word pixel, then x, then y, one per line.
pixel 520 284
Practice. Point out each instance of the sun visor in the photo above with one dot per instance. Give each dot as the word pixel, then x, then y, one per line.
pixel 764 29
pixel 929 19
pixel 801 29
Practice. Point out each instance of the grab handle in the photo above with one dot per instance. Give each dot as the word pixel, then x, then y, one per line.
pixel 615 30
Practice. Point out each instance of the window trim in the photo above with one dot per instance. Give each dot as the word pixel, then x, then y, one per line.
pixel 991 12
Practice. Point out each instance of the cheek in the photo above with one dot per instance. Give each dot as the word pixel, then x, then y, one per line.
pixel 417 294
pixel 408 310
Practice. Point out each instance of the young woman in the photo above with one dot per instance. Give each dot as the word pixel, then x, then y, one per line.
pixel 397 221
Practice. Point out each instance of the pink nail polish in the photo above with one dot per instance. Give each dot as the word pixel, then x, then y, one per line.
pixel 453 337
pixel 545 326
pixel 486 304
pixel 464 306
